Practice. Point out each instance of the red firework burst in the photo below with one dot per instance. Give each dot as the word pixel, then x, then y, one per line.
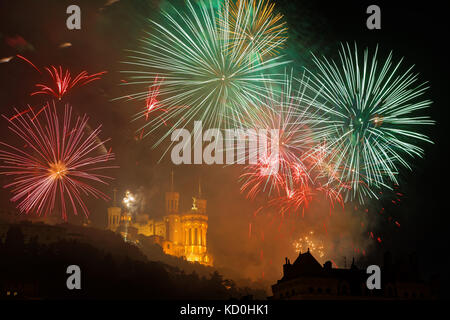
pixel 154 110
pixel 57 164
pixel 285 167
pixel 265 175
pixel 298 181
pixel 62 81
pixel 286 110
pixel 152 103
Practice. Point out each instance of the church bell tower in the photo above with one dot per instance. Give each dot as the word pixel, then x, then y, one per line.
pixel 172 217
pixel 172 199
pixel 200 203
pixel 114 213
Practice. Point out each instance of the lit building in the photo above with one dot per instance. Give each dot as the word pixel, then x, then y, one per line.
pixel 179 234
pixel 114 214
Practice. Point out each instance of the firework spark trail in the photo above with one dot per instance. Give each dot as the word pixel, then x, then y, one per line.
pixel 28 61
pixel 21 113
pixel 58 165
pixel 371 124
pixel 62 82
pixel 189 53
pixel 152 103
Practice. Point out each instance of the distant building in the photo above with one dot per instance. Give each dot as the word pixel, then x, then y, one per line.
pixel 179 234
pixel 307 279
pixel 18 290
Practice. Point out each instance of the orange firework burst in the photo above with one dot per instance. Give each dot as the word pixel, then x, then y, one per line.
pixel 254 27
pixel 310 242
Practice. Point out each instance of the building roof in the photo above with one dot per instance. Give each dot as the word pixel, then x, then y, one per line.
pixel 306 263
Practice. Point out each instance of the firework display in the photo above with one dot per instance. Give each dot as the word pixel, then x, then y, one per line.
pixel 345 132
pixel 227 150
pixel 345 127
pixel 201 67
pixel 60 161
pixel 202 59
pixel 216 61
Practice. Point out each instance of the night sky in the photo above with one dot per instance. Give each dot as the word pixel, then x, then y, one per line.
pixel 417 32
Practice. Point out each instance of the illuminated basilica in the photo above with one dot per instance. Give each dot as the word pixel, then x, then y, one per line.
pixel 179 234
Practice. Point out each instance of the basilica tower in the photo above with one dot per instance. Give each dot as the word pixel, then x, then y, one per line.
pixel 172 218
pixel 195 227
pixel 200 202
pixel 172 199
pixel 114 213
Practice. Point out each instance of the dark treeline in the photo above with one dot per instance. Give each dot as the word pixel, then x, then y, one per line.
pixel 31 269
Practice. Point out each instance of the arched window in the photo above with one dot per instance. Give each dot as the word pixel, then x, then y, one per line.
pixel 311 290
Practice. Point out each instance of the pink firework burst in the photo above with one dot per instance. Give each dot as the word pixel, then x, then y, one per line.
pixel 59 162
pixel 62 81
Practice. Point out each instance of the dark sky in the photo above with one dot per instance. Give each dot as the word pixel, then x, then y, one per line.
pixel 417 32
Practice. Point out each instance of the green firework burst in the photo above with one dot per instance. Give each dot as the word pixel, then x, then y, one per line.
pixel 199 74
pixel 374 112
